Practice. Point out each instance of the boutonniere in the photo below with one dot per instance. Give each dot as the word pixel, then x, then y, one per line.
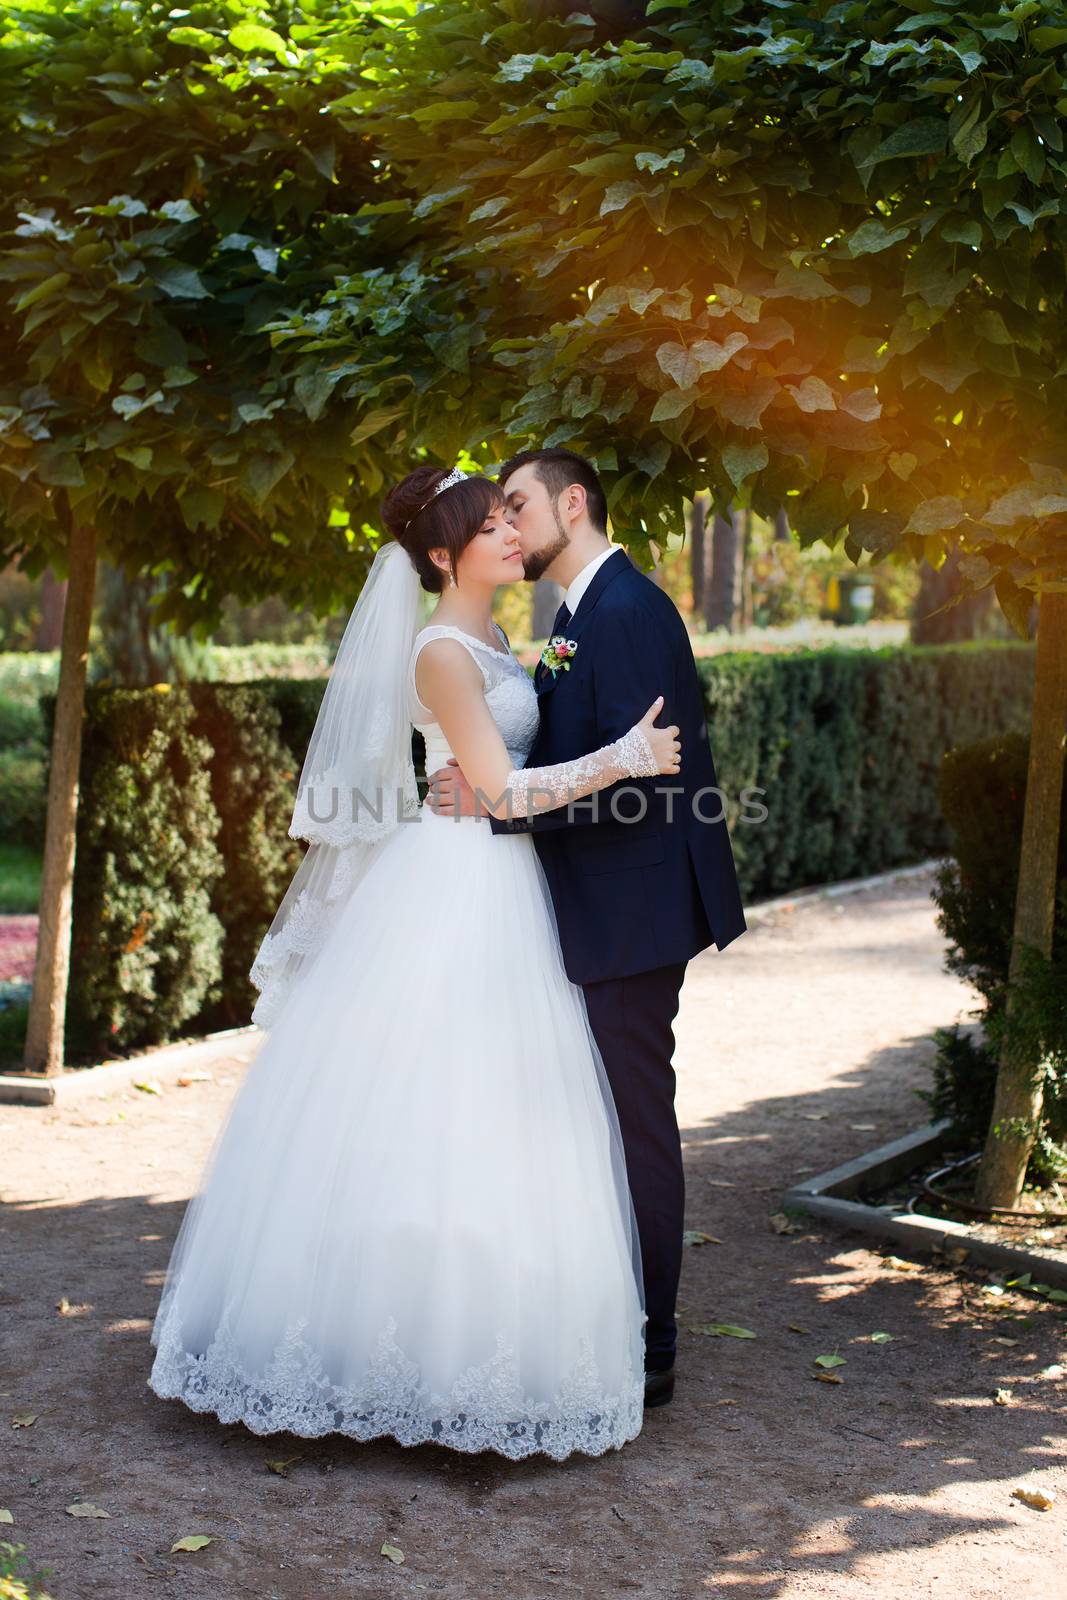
pixel 559 652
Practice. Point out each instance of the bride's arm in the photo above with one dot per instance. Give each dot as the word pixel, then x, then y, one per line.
pixel 449 683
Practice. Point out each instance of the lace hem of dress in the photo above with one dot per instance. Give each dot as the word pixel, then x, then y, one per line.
pixel 486 1408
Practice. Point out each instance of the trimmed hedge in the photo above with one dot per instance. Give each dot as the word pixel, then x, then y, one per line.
pixel 847 746
pixel 183 847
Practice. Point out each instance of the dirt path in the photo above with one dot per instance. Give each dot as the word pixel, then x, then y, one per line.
pixel 757 1481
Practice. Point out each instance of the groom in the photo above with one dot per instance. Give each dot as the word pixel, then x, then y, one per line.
pixel 642 874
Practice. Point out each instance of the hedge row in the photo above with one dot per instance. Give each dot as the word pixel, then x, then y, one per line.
pixel 847 745
pixel 183 851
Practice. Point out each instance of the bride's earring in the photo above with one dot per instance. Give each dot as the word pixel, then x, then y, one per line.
pixel 451 580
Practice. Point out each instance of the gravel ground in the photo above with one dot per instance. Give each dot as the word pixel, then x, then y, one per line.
pixel 799 1047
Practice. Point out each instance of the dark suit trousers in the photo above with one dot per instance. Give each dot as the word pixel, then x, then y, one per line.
pixel 631 1019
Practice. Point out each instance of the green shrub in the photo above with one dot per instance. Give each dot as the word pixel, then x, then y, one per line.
pixel 846 746
pixel 253 779
pixel 982 795
pixel 23 781
pixel 146 947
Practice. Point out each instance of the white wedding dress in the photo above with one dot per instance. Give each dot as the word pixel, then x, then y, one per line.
pixel 415 1220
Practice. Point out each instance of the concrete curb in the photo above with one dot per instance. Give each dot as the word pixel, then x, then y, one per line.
pixel 826 1196
pixel 828 891
pixel 74 1083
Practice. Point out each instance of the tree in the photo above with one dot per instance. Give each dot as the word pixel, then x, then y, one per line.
pixel 167 191
pixel 808 256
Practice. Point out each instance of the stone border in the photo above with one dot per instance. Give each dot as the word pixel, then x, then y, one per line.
pixel 19 1088
pixel 829 891
pixel 827 1194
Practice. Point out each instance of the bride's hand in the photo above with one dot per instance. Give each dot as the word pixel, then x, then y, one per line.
pixel 664 741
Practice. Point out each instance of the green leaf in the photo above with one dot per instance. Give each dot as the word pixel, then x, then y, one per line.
pixel 741 460
pixel 923 136
pixel 678 363
pixel 652 161
pixel 829 1362
pixel 726 1330
pixel 871 237
pixel 936 515
pixel 40 291
pixel 251 38
pixel 202 508
pixel 444 111
pixel 673 404
pixel 1016 603
pixel 197 38
pixel 181 283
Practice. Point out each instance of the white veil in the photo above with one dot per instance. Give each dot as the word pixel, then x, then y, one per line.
pixel 357 783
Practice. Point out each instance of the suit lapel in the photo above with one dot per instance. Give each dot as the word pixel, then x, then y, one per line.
pixel 611 568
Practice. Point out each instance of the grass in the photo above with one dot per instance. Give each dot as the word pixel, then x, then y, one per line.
pixel 20 879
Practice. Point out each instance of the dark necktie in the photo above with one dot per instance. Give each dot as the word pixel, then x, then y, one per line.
pixel 563 616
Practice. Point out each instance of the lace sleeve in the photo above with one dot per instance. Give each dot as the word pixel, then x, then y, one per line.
pixel 532 789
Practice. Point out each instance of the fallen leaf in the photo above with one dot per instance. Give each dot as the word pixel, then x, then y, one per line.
pixel 831 1361
pixel 25 1419
pixel 814 1116
pixel 864 1127
pixel 282 1467
pixel 193 1077
pixel 720 1183
pixel 882 1338
pixel 5 1515
pixel 1039 1499
pixel 392 1552
pixel 782 1223
pixel 896 1264
pixel 1000 1339
pixel 85 1508
pixel 1002 1397
pixel 148 1085
pixel 695 1237
pixel 795 1327
pixel 1055 1371
pixel 728 1330
pixel 193 1541
pixel 827 1377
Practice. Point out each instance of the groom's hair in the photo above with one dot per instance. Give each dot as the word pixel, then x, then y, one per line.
pixel 557 470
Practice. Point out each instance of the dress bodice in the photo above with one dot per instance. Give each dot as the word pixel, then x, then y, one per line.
pixel 509 694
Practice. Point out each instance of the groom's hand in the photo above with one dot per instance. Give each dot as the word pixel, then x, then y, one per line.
pixel 450 795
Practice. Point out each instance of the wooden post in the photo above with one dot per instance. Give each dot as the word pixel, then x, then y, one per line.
pixel 1019 1092
pixel 51 973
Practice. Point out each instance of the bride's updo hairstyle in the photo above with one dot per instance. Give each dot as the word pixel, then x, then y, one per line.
pixel 421 521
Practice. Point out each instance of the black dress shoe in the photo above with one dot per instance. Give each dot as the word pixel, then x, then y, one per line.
pixel 659 1388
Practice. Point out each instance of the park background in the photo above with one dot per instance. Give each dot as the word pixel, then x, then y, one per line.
pixel 791 275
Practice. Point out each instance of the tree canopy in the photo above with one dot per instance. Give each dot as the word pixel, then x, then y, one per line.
pixel 264 258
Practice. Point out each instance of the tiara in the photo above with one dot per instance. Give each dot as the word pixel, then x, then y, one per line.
pixel 454 477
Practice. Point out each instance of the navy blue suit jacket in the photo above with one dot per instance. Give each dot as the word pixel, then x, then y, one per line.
pixel 641 874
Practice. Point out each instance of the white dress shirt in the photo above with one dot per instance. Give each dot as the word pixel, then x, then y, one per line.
pixel 580 584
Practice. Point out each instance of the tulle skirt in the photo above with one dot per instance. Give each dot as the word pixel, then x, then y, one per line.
pixel 415 1221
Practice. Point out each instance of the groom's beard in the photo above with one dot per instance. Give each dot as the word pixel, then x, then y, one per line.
pixel 536 564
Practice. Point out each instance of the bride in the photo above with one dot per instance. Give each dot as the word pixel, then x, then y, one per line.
pixel 415 1220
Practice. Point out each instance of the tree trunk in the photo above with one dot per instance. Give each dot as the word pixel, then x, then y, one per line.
pixel 723 592
pixel 53 600
pixel 746 568
pixel 1017 1103
pixel 546 598
pixel 48 1001
pixel 697 522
